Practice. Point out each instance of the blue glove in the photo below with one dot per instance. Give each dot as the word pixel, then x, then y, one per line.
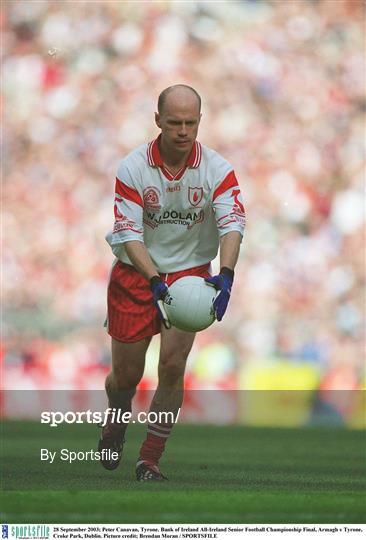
pixel 222 283
pixel 160 290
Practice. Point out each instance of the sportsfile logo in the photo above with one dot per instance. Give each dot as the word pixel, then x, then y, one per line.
pixel 54 418
pixel 29 532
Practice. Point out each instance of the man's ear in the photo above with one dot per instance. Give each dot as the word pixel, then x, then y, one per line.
pixel 157 120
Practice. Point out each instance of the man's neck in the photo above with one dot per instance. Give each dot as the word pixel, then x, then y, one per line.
pixel 173 160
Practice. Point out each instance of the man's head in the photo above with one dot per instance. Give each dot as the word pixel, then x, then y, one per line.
pixel 178 117
pixel 181 91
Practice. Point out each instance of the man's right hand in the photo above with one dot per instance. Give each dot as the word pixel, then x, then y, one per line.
pixel 160 290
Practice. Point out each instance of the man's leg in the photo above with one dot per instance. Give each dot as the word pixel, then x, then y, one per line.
pixel 128 362
pixel 174 350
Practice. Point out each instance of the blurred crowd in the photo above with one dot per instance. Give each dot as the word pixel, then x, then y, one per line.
pixel 283 101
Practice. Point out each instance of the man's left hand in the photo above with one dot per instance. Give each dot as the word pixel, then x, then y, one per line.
pixel 222 283
pixel 160 291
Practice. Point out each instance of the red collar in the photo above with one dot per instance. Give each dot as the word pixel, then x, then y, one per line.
pixel 155 160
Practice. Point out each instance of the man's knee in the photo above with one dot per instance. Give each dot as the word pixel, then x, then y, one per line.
pixel 172 366
pixel 128 362
pixel 126 377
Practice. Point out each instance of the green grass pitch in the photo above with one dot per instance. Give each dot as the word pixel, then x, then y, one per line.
pixel 218 474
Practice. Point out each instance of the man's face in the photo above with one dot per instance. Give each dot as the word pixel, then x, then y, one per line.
pixel 179 122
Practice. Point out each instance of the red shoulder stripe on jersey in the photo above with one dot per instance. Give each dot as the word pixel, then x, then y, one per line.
pixel 128 193
pixel 228 182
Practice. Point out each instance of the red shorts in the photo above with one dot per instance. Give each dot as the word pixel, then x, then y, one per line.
pixel 132 315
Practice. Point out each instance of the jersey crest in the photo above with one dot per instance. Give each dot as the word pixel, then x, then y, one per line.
pixel 195 195
pixel 151 197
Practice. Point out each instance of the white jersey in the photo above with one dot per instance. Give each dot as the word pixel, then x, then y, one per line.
pixel 179 218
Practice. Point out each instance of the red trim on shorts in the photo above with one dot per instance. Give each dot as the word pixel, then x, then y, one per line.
pixel 132 315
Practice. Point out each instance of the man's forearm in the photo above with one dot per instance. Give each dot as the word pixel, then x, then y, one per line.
pixel 229 249
pixel 140 258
